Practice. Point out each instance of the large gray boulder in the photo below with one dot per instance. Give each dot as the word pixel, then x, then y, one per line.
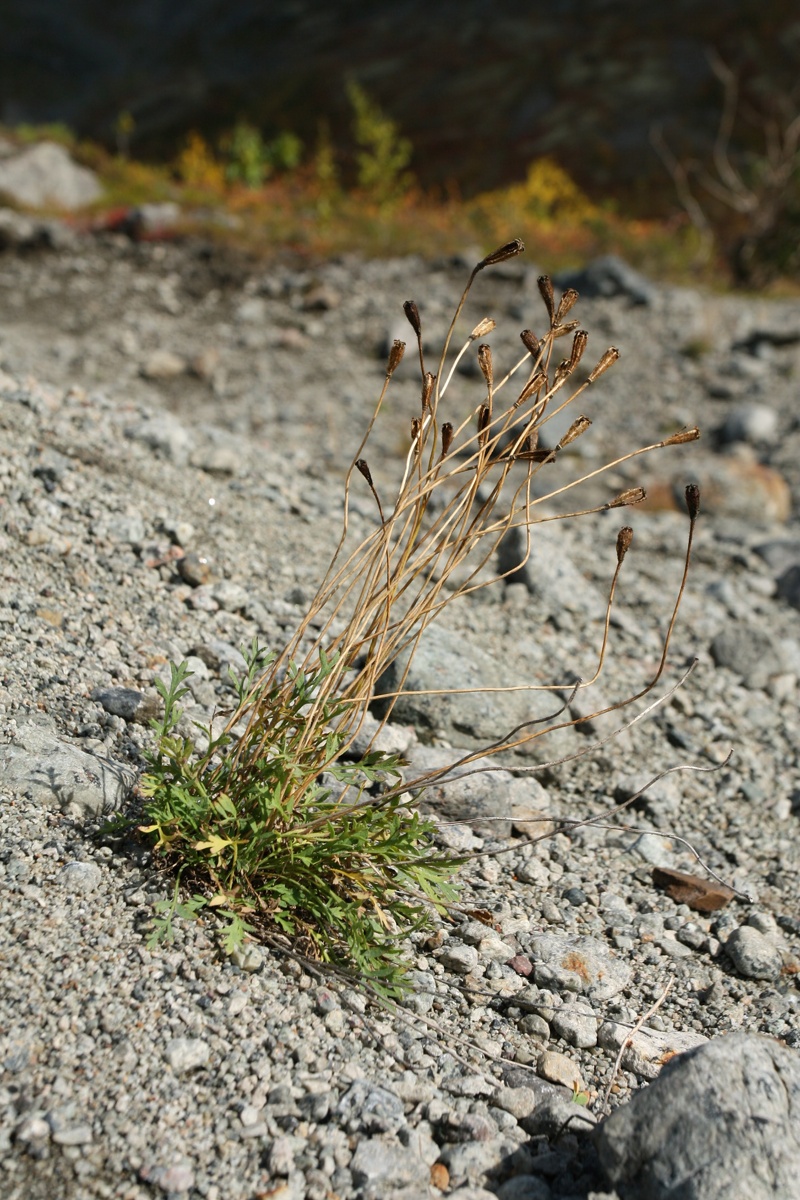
pixel 58 775
pixel 721 1122
pixel 446 662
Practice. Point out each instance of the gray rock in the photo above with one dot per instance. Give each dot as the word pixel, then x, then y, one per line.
pixel 248 956
pixel 608 275
pixel 788 585
pixel 780 553
pixel 557 584
pixel 280 1159
pixel 662 800
pixel 481 801
pixel 721 1122
pixel 155 218
pixel 220 459
pixel 164 434
pixel 45 175
pixel 122 527
pixel 558 1116
pixel 77 1135
pixel 468 1127
pixel 748 650
pixel 174 1179
pixel 80 878
pixel 58 775
pixel 524 1187
pixel 446 659
pixel 384 1162
pixel 646 1050
pixel 219 655
pixel 519 1101
pixel 600 973
pixel 128 703
pixel 754 955
pixel 369 1107
pixel 469 1161
pixel 459 958
pixel 19 232
pixel 576 1024
pixel 230 596
pixel 32 1129
pixel 754 423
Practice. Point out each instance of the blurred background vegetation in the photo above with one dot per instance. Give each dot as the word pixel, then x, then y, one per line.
pixel 668 134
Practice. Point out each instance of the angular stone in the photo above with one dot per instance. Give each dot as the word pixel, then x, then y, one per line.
pixel 576 1025
pixel 128 703
pixel 58 775
pixel 459 958
pixel 559 1068
pixel 558 1116
pixel 479 800
pixel 385 1162
pixel 519 1101
pixel 187 1054
pixel 445 659
pixel 749 651
pixel 647 1050
pixel 601 974
pixel 721 1122
pixel 369 1107
pixel 754 955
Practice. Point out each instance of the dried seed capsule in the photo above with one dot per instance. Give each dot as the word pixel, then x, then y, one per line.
pixel 447 438
pixel 624 539
pixel 428 381
pixel 412 314
pixel 630 496
pixel 609 358
pixel 567 302
pixel 578 347
pixel 575 430
pixel 683 436
pixel 692 494
pixel 482 328
pixel 502 254
pixel 563 330
pixel 545 285
pixel 363 467
pixel 535 384
pixel 530 342
pixel 485 363
pixel 562 372
pixel 395 357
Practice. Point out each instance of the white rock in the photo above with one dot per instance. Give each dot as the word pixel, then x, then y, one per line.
pixel 45 175
pixel 649 1049
pixel 187 1054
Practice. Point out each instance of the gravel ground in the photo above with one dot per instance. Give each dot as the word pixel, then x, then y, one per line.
pixel 176 423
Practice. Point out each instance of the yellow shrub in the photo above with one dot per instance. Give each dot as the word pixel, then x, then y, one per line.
pixel 197 166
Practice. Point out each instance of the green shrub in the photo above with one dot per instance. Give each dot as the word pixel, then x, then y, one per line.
pixel 383 154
